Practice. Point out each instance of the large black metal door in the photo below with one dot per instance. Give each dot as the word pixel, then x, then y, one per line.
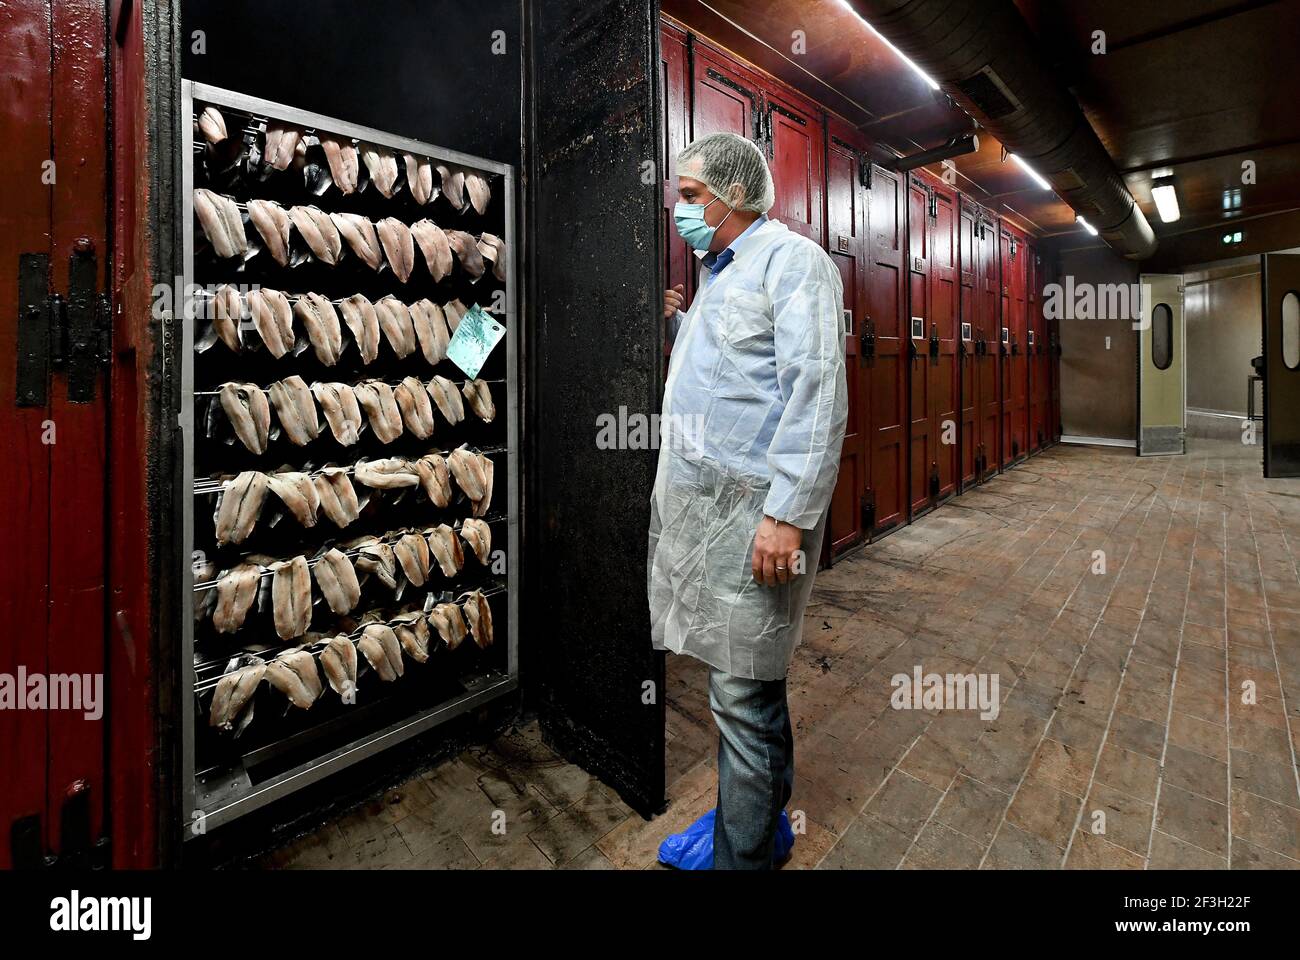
pixel 595 232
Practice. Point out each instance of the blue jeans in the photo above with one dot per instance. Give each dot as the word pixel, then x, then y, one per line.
pixel 755 768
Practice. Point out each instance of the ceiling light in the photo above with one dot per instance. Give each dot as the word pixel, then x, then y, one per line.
pixel 902 56
pixel 1166 198
pixel 1032 172
pixel 1085 224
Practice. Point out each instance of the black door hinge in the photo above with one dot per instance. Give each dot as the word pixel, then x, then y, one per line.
pixel 34 306
pixel 934 479
pixel 864 172
pixel 56 333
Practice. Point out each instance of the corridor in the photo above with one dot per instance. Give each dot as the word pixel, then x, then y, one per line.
pixel 1122 740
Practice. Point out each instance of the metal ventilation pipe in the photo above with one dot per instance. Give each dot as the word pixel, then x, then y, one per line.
pixel 983 55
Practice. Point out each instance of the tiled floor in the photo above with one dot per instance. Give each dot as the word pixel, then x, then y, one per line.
pixel 1142 617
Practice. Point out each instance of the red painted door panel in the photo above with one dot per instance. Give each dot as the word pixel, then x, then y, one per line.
pixel 968 362
pixel 1040 359
pixel 919 382
pixel 987 334
pixel 932 244
pixel 674 84
pixel 943 324
pixel 1015 370
pixel 846 223
pixel 888 366
pixel 54 158
pixel 1033 358
pixel 795 155
pixel 726 97
pixel 25 74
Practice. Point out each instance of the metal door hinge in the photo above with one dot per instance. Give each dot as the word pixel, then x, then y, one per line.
pixel 56 333
pixel 864 172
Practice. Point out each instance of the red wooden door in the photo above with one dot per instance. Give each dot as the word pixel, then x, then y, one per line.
pixel 919 382
pixel 795 151
pixel 674 85
pixel 1015 370
pixel 1040 359
pixel 846 224
pixel 968 363
pixel 942 356
pixel 888 362
pixel 53 167
pixel 1034 418
pixel 987 336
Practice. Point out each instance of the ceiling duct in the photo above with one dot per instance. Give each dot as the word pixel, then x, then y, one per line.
pixel 956 147
pixel 984 56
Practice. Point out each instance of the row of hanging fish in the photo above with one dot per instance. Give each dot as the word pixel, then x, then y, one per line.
pixel 350 165
pixel 305 495
pixel 348 408
pixel 286 324
pixel 381 641
pixel 388 244
pixel 395 560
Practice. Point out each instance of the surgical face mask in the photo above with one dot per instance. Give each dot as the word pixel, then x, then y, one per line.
pixel 689 218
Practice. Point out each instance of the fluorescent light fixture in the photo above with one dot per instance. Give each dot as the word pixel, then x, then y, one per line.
pixel 1038 179
pixel 902 56
pixel 1166 198
pixel 1085 224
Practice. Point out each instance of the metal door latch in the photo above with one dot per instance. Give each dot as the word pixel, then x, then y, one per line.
pixel 867 341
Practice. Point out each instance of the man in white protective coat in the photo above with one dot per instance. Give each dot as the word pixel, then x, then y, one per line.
pixel 753 419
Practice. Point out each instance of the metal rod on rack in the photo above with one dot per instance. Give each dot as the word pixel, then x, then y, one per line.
pixel 266 571
pixel 206 685
pixel 258 126
pixel 216 486
pixel 457 383
pixel 292 298
pixel 243 206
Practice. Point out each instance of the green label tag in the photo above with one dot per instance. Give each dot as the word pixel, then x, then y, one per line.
pixel 473 340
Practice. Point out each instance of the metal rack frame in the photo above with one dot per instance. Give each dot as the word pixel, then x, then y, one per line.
pixel 478 693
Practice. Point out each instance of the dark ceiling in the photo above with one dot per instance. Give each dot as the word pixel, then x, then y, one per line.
pixel 1192 87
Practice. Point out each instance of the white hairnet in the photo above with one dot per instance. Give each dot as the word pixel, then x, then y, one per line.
pixel 733 168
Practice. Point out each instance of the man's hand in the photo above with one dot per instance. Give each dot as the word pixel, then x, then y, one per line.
pixel 674 300
pixel 775 545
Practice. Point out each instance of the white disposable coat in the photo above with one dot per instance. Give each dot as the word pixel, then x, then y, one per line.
pixel 753 419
